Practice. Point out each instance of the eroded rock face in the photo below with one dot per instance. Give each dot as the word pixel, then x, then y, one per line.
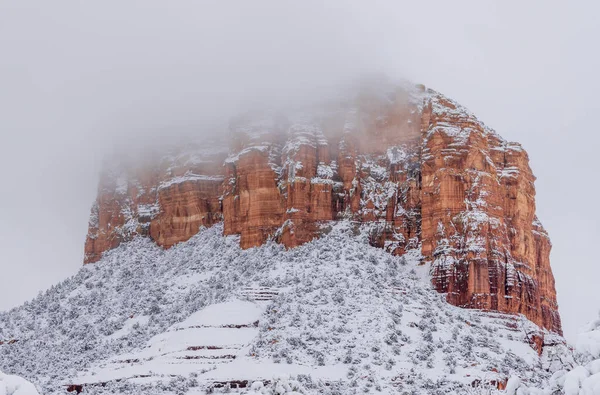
pixel 167 199
pixel 479 228
pixel 420 170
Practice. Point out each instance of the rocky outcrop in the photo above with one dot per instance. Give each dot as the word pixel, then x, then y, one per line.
pixel 488 249
pixel 167 200
pixel 414 167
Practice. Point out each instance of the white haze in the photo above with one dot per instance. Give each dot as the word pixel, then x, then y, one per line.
pixel 78 79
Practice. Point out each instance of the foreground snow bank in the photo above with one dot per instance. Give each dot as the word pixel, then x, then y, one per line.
pixel 582 379
pixel 15 385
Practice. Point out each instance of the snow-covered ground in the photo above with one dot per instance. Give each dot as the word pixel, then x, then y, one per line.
pixel 334 316
pixel 15 385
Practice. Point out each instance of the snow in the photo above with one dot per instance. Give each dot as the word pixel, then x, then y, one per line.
pixel 508 172
pixel 585 378
pixel 209 335
pixel 236 157
pixel 574 379
pixel 15 385
pixel 325 171
pixel 591 385
pixel 588 341
pixel 396 155
pixel 122 184
pixel 229 313
pixel 189 176
pixel 512 385
pixel 148 210
pixel 129 325
pixel 579 376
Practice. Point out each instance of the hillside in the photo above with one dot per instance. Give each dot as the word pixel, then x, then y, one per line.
pixel 335 314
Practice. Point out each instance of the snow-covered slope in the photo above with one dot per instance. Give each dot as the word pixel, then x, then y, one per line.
pixel 336 315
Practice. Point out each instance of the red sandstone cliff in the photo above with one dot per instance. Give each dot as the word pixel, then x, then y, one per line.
pixel 419 169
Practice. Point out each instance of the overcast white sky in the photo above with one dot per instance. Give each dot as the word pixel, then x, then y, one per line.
pixel 79 78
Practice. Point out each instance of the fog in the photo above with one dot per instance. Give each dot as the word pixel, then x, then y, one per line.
pixel 79 79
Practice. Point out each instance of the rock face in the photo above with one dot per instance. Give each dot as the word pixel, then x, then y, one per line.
pixel 167 200
pixel 416 168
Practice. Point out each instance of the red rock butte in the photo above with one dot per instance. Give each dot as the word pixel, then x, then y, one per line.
pixel 416 166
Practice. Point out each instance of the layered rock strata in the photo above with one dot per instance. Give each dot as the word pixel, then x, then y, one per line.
pixel 416 167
